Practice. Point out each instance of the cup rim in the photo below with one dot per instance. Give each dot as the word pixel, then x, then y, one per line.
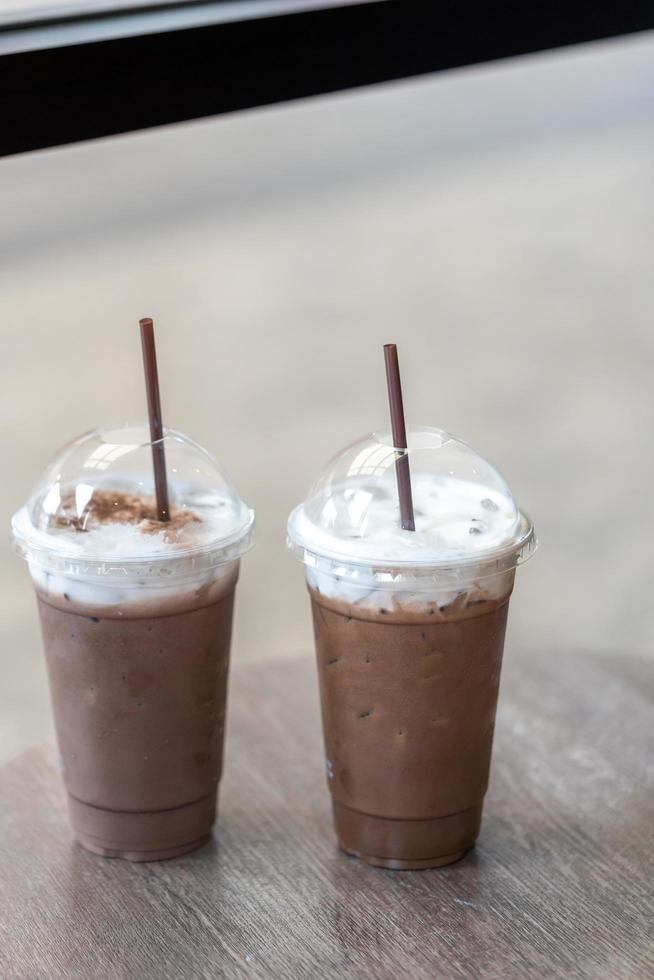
pixel 521 548
pixel 38 549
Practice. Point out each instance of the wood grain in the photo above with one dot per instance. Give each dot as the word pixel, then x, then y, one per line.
pixel 560 884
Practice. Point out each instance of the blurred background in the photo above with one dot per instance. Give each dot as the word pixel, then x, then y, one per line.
pixel 495 222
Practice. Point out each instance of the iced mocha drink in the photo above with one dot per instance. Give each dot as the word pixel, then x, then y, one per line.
pixel 409 630
pixel 136 618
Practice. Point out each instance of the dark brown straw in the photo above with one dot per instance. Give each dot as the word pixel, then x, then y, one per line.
pixel 154 414
pixel 402 471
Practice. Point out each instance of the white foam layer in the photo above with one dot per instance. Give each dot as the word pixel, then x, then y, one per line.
pixel 460 526
pixel 103 546
pixel 116 594
pixel 122 564
pixel 469 533
pixel 360 521
pixel 115 540
pixel 412 594
pixel 123 540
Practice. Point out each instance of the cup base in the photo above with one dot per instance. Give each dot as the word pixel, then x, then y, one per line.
pixel 406 845
pixel 392 864
pixel 142 836
pixel 140 856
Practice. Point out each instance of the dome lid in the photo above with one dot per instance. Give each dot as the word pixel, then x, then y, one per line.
pixel 93 509
pixel 464 510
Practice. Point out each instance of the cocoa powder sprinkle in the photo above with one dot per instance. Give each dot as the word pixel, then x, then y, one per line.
pixel 107 507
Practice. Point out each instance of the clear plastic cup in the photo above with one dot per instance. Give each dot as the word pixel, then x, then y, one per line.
pixel 136 618
pixel 409 630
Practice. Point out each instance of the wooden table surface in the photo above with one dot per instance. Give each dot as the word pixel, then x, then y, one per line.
pixel 561 883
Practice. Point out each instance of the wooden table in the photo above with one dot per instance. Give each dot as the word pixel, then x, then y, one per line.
pixel 560 885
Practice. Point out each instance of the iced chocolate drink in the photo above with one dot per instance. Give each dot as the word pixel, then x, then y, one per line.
pixel 136 617
pixel 409 630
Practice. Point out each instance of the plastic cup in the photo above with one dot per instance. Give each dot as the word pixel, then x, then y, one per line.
pixel 409 630
pixel 136 619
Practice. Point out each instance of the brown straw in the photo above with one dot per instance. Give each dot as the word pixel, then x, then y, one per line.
pixel 402 471
pixel 154 413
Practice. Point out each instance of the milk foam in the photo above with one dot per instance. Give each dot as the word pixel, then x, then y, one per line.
pixel 410 594
pixel 97 592
pixel 454 519
pixel 117 564
pixel 115 541
pixel 356 551
pixel 90 529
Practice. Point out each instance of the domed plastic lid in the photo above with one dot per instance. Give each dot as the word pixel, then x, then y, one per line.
pixel 93 510
pixel 464 511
